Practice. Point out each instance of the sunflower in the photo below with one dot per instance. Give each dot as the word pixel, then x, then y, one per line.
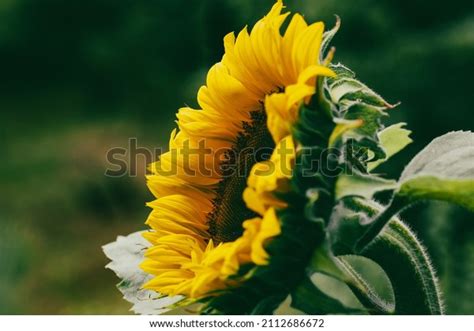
pixel 219 189
pixel 266 194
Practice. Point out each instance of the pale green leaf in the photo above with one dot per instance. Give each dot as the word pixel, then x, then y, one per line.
pixel 443 170
pixel 312 299
pixel 351 273
pixel 392 139
pixel 369 283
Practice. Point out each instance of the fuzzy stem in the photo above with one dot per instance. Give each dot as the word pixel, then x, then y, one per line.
pixel 379 223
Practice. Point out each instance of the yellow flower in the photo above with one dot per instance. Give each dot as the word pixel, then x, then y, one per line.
pixel 202 230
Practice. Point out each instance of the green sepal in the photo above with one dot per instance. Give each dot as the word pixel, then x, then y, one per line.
pixel 345 88
pixel 370 116
pixel 263 288
pixel 357 112
pixel 307 132
pixel 342 71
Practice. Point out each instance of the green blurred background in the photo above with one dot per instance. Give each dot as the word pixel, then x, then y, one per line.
pixel 79 77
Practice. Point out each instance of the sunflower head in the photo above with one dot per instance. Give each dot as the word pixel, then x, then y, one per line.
pixel 217 211
pixel 246 190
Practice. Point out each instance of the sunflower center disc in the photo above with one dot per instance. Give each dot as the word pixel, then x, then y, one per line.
pixel 254 144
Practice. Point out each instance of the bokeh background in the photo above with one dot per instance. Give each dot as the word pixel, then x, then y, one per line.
pixel 79 77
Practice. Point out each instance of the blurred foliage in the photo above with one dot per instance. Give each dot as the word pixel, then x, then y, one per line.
pixel 81 77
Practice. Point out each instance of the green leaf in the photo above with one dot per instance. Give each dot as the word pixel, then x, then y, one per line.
pixel 362 185
pixel 443 170
pixel 308 298
pixel 409 268
pixel 369 283
pixel 365 278
pixel 323 261
pixel 392 139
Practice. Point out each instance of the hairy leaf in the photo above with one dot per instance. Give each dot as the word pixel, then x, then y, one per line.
pixel 443 170
pixel 369 283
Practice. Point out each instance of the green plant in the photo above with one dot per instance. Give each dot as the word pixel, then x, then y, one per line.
pixel 328 244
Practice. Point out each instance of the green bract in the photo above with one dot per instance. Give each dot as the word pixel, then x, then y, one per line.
pixel 365 246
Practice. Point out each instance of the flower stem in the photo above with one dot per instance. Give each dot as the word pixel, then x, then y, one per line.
pixel 379 223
